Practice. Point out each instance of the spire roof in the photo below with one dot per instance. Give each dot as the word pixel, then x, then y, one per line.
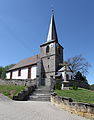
pixel 52 34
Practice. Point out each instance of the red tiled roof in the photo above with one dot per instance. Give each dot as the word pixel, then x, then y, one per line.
pixel 26 62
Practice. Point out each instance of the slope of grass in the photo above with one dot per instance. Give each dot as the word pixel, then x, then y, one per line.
pixel 80 95
pixel 11 90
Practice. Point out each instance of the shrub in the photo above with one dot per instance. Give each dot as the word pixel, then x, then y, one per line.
pixel 58 86
pixel 74 87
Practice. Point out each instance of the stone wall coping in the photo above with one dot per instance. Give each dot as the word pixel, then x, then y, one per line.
pixel 79 108
pixel 24 95
pixel 71 100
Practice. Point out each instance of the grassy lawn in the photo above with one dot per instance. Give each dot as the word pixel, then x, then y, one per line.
pixel 80 95
pixel 11 90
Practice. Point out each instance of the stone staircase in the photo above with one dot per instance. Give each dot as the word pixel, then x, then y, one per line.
pixel 40 94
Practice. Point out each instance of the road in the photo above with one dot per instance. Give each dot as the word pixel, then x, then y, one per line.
pixel 28 110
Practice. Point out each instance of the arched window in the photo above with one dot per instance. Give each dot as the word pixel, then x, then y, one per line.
pixel 47 49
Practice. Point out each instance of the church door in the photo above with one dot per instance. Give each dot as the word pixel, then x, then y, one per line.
pixel 43 79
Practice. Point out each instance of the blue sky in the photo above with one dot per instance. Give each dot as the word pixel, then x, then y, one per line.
pixel 24 26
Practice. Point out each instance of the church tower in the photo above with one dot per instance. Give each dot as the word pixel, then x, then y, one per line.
pixel 51 53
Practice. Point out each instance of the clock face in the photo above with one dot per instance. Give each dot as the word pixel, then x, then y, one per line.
pixel 51 45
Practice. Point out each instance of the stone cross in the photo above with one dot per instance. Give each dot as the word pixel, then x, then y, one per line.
pixel 65 65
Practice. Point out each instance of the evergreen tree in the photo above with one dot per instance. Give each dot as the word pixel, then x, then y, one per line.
pixel 81 77
pixel 3 71
pixel 92 87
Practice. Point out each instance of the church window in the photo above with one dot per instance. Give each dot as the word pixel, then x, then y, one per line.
pixel 19 72
pixel 10 75
pixel 29 72
pixel 47 49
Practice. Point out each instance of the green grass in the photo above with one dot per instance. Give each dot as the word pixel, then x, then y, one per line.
pixel 80 95
pixel 11 90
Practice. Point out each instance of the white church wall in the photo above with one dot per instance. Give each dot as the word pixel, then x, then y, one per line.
pixel 33 72
pixel 8 75
pixel 24 74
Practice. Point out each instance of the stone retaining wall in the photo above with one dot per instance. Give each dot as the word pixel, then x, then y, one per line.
pixel 27 82
pixel 24 95
pixel 82 109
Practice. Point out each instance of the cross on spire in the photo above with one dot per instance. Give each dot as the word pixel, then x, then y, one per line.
pixel 52 34
pixel 52 10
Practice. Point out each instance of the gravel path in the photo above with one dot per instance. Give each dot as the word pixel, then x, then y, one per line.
pixel 28 110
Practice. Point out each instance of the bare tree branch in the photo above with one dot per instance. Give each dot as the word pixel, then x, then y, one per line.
pixel 79 63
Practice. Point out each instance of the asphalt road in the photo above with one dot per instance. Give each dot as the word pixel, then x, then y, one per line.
pixel 28 110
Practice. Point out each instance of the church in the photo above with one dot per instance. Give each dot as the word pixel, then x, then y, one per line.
pixel 44 66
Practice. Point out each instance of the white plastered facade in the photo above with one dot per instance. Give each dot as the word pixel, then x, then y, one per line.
pixel 24 73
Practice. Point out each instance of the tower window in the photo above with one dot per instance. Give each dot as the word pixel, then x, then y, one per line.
pixel 47 49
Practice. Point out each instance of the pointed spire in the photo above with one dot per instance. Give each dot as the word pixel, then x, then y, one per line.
pixel 52 34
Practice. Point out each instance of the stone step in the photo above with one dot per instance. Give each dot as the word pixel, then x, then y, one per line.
pixel 40 94
pixel 43 89
pixel 34 96
pixel 39 98
pixel 40 89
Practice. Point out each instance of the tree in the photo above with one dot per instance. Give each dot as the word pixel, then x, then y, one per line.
pixel 92 87
pixel 3 71
pixel 78 63
pixel 3 75
pixel 9 66
pixel 81 77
